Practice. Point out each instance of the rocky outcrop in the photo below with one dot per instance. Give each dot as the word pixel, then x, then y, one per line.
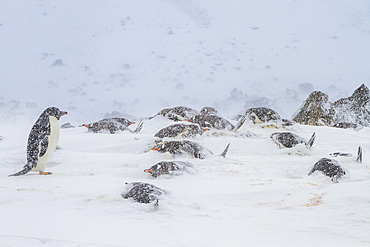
pixel 354 109
pixel 316 110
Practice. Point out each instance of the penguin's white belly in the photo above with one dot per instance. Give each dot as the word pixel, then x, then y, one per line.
pixel 52 144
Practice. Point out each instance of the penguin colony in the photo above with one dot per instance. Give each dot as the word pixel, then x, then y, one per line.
pixel 44 135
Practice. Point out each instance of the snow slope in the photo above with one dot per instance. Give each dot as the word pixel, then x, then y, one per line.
pixel 259 195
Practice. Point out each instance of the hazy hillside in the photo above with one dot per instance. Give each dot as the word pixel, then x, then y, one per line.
pixel 92 58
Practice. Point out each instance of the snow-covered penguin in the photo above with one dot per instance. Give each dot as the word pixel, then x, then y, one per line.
pixel 358 157
pixel 347 126
pixel 172 168
pixel 186 147
pixel 42 141
pixel 212 121
pixel 112 125
pixel 178 113
pixel 143 192
pixel 181 130
pixel 330 168
pixel 262 115
pixel 289 140
pixel 207 110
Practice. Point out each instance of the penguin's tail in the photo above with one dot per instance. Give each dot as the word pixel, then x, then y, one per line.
pixel 25 170
pixel 311 141
pixel 240 122
pixel 139 127
pixel 223 155
pixel 359 154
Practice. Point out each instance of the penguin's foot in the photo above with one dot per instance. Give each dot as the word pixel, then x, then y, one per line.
pixel 44 173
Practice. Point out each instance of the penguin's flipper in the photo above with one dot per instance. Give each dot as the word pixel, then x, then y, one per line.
pixel 44 145
pixel 240 122
pixel 311 141
pixel 223 155
pixel 25 170
pixel 359 155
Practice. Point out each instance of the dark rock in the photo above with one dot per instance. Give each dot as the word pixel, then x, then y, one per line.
pixel 316 110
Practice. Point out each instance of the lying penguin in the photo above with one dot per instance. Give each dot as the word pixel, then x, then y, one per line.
pixel 186 147
pixel 178 113
pixel 207 110
pixel 262 115
pixel 290 140
pixel 113 125
pixel 143 192
pixel 216 122
pixel 347 126
pixel 180 130
pixel 330 168
pixel 211 121
pixel 42 141
pixel 172 168
pixel 358 158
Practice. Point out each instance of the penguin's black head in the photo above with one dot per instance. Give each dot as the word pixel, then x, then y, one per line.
pixel 55 112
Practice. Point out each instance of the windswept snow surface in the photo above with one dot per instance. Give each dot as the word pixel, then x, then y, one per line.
pixel 259 195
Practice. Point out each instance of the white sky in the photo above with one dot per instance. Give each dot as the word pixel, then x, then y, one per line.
pixel 139 57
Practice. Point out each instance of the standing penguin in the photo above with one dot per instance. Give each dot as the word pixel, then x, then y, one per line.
pixel 42 141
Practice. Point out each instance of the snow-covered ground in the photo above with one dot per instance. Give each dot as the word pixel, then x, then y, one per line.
pixel 259 195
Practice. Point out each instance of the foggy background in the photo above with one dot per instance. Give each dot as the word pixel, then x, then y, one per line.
pixel 91 58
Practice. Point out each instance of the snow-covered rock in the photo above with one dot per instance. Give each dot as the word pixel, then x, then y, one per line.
pixel 354 109
pixel 316 110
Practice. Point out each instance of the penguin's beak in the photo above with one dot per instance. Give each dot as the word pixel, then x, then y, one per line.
pixel 132 122
pixel 85 125
pixel 147 170
pixel 64 113
pixel 154 148
pixel 206 129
